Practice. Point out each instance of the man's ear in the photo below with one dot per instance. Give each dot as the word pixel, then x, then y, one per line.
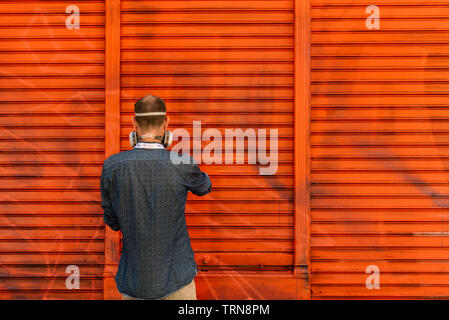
pixel 134 123
pixel 166 124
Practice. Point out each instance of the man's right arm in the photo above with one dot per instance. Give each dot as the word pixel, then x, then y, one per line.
pixel 195 180
pixel 108 213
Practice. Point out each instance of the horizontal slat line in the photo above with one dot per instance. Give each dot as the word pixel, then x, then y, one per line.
pixel 59 63
pixel 49 277
pixel 273 201
pixel 382 93
pixel 46 265
pixel 60 163
pixel 384 31
pixel 230 238
pixel 317 221
pixel 201 23
pixel 379 196
pixel 396 284
pixel 52 38
pixel 207 49
pixel 86 100
pixel 4 114
pixel 193 87
pixel 399 183
pixel 240 267
pixel 365 69
pixel 206 99
pixel 375 248
pixel 99 214
pixel 48 139
pixel 370 56
pixel 77 152
pixel 38 188
pixel 44 13
pixel 190 201
pixel 374 209
pixel 279 176
pixel 98 176
pixel 210 124
pixel 97 239
pixel 361 19
pixel 52 227
pixel 380 234
pixel 205 10
pixel 150 61
pixel 51 25
pixel 378 297
pixel 46 291
pixel 362 285
pixel 377 145
pixel 390 81
pixel 205 36
pixel 348 132
pixel 93 214
pixel 217 112
pixel 376 106
pixel 99 253
pixel 52 241
pixel 390 4
pixel 57 50
pixel 392 260
pixel 240 226
pixel 52 202
pixel 189 61
pixel 372 43
pixel 62 63
pixel 199 74
pixel 381 107
pixel 379 170
pixel 190 226
pixel 349 271
pixel 54 126
pixel 252 251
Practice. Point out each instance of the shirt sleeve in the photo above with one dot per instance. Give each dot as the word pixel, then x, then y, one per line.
pixel 195 180
pixel 108 213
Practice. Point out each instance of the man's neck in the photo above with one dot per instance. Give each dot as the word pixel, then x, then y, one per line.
pixel 152 137
pixel 150 140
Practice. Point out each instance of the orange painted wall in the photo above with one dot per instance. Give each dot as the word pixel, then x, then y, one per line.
pixel 51 150
pixel 227 63
pixel 361 183
pixel 379 137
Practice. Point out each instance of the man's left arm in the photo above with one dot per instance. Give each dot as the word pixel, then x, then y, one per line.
pixel 108 213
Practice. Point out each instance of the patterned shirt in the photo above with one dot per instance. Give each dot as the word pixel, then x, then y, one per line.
pixel 143 194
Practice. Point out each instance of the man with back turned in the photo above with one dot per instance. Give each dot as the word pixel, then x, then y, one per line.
pixel 143 194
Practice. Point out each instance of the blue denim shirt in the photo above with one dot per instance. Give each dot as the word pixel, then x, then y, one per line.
pixel 144 194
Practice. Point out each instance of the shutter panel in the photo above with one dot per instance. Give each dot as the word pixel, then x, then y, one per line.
pixel 52 149
pixel 228 64
pixel 379 150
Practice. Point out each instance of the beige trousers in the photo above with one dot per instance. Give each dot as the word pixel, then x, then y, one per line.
pixel 185 293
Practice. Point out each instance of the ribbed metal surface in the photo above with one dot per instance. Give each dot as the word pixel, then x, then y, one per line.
pixel 228 64
pixel 379 141
pixel 52 148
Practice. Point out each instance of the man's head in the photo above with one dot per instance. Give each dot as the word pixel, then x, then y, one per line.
pixel 155 125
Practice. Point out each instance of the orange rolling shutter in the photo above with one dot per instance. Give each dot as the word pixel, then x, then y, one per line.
pixel 52 148
pixel 379 147
pixel 228 64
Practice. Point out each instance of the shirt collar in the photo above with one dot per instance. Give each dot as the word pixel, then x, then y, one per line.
pixel 149 145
